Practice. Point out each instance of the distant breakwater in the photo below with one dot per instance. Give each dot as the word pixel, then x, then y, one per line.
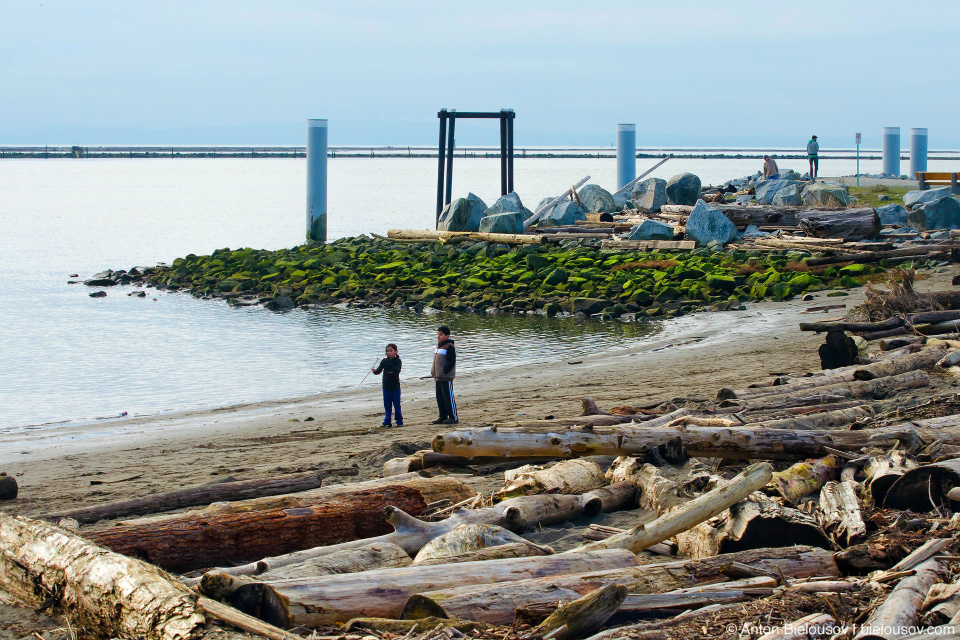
pixel 478 277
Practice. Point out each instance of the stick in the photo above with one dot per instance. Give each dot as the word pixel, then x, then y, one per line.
pixel 640 177
pixel 368 373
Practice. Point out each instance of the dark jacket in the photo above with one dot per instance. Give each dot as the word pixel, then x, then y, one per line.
pixel 391 373
pixel 444 366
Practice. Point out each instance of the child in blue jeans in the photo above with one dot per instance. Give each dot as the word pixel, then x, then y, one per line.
pixel 390 367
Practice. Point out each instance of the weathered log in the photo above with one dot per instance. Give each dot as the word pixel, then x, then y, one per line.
pixel 805 478
pixel 108 594
pixel 430 489
pixel 916 488
pixel 661 488
pixel 901 609
pixel 409 627
pixel 499 238
pixel 325 600
pixel 750 523
pixel 952 359
pixel 411 534
pixel 853 327
pixel 883 470
pixel 849 224
pixel 840 514
pixel 809 627
pixel 921 360
pixel 824 586
pixel 689 514
pixel 398 466
pixel 813 418
pixel 889 344
pixel 877 256
pixel 220 586
pixel 877 389
pixel 195 542
pixel 570 477
pixel 496 604
pixel 753 442
pixel 8 487
pixel 197 495
pixel 613 497
pixel 523 549
pixel 241 620
pixel 941 604
pixel 466 538
pixel 939 328
pixel 584 615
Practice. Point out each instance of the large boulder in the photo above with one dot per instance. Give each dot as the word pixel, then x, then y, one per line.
pixel 463 214
pixel 705 224
pixel 509 203
pixel 502 223
pixel 683 188
pixel 892 214
pixel 914 198
pixel 650 194
pixel 939 214
pixel 564 214
pixel 650 230
pixel 825 195
pixel 789 196
pixel 596 199
pixel 768 189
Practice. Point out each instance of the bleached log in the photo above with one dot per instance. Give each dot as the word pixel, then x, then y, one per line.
pixel 753 442
pixel 466 538
pixel 570 477
pixel 750 523
pixel 613 497
pixel 809 627
pixel 523 549
pixel 661 488
pixel 496 604
pixel 952 359
pixel 877 388
pixel 813 418
pixel 901 609
pixel 584 615
pixel 429 234
pixel 840 513
pixel 805 478
pixel 411 534
pixel 325 600
pixel 942 604
pixel 923 359
pixel 883 470
pixel 93 588
pixel 196 542
pixel 689 514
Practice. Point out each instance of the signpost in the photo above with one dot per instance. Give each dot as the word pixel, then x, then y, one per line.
pixel 858 159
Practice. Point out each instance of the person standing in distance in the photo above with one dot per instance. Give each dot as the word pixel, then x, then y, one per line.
pixel 770 169
pixel 443 371
pixel 813 151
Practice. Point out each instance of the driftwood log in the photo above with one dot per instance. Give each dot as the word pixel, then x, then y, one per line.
pixel 848 224
pixel 883 470
pixel 203 494
pixel 923 359
pixel 806 478
pixel 411 534
pixel 497 603
pixel 901 609
pixel 752 442
pixel 942 604
pixel 109 594
pixel 661 488
pixel 877 389
pixel 840 514
pixel 325 600
pixel 196 541
pixel 613 497
pixel 466 538
pixel 571 477
pixel 523 549
pixel 584 615
pixel 689 514
pixel 916 488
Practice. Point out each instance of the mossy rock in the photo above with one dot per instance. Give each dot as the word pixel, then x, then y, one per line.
pixel 721 283
pixel 803 281
pixel 537 262
pixel 654 311
pixel 837 294
pixel 848 282
pixel 855 270
pixel 475 283
pixel 557 276
pixel 641 297
pixel 781 291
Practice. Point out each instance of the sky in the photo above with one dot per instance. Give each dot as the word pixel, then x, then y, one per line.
pixel 687 73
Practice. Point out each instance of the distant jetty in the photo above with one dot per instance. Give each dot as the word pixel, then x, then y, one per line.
pixel 353 151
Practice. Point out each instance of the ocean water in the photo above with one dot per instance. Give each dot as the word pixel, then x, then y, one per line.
pixel 66 358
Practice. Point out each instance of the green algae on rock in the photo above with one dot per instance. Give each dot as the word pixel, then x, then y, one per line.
pixel 482 277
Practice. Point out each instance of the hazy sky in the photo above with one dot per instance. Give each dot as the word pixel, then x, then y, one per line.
pixel 750 73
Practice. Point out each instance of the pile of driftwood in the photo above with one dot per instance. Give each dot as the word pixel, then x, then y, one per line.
pixel 821 502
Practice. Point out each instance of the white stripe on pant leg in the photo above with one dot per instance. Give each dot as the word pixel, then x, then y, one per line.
pixel 453 403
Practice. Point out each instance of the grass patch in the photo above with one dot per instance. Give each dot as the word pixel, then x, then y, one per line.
pixel 646 264
pixel 870 196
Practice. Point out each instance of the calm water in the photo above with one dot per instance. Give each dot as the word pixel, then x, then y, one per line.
pixel 67 357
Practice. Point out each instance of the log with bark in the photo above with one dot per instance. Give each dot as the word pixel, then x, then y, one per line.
pixel 752 442
pixel 840 514
pixel 411 534
pixel 877 256
pixel 325 600
pixel 748 524
pixel 571 477
pixel 806 478
pixel 198 495
pixel 469 537
pixel 689 514
pixel 853 327
pixel 849 224
pixel 901 609
pixel 497 604
pixel 193 542
pixel 883 470
pixel 109 594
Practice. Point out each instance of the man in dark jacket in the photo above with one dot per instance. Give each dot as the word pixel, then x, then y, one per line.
pixel 444 370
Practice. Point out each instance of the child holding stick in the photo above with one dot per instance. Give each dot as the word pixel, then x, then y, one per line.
pixel 390 367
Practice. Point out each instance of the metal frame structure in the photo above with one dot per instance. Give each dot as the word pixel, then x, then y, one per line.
pixel 445 154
